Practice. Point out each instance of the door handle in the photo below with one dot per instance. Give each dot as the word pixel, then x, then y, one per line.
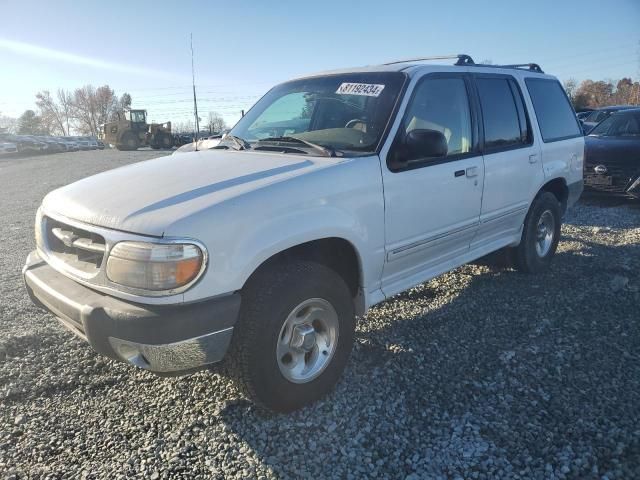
pixel 533 158
pixel 458 173
pixel 472 172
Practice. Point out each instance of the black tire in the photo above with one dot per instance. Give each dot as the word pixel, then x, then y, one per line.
pixel 526 256
pixel 166 141
pixel 161 140
pixel 128 142
pixel 267 301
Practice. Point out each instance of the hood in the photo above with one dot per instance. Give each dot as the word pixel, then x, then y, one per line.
pixel 146 197
pixel 204 144
pixel 620 151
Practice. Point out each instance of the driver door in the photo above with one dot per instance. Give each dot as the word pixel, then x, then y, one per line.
pixel 432 205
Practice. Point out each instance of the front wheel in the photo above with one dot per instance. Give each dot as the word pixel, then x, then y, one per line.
pixel 128 142
pixel 540 236
pixel 294 335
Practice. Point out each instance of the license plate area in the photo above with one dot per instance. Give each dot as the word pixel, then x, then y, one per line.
pixel 599 180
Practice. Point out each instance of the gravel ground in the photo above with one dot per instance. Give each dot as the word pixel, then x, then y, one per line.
pixel 480 373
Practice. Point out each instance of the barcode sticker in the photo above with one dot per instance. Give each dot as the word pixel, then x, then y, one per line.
pixel 365 89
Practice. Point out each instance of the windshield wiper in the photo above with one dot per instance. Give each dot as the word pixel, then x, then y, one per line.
pixel 240 143
pixel 328 152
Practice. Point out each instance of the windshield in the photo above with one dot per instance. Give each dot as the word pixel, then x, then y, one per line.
pixel 345 112
pixel 620 125
pixel 597 116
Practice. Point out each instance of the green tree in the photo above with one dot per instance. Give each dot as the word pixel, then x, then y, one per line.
pixel 125 101
pixel 31 124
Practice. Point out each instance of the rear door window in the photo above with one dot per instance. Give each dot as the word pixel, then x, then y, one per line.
pixel 500 115
pixel 556 118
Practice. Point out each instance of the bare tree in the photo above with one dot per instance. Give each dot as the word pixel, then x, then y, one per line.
pixel 122 104
pixel 106 102
pixel 8 124
pixel 182 127
pixel 570 86
pixel 65 102
pixel 216 123
pixel 50 113
pixel 93 106
pixel 84 110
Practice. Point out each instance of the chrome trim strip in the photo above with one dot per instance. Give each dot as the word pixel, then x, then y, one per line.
pixel 70 239
pixel 88 245
pixel 503 214
pixel 64 236
pixel 420 243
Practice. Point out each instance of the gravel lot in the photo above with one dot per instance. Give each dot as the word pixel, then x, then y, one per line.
pixel 481 373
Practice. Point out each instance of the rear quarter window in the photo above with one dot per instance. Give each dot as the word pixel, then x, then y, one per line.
pixel 556 118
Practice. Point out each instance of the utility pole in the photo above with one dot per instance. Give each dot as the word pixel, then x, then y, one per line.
pixel 638 80
pixel 195 103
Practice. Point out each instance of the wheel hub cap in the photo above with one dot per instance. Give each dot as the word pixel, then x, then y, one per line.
pixel 545 232
pixel 303 337
pixel 307 340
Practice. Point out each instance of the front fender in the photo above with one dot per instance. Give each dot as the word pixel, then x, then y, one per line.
pixel 302 227
pixel 343 201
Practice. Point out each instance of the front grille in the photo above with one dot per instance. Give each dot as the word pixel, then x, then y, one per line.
pixel 621 176
pixel 79 249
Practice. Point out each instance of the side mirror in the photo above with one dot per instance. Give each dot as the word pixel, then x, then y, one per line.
pixel 423 143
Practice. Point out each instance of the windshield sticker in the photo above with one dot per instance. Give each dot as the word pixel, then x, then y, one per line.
pixel 366 89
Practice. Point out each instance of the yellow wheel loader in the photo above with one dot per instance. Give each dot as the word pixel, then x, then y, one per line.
pixel 131 131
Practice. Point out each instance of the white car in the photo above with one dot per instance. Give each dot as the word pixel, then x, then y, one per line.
pixel 82 143
pixel 69 144
pixel 93 142
pixel 333 193
pixel 7 148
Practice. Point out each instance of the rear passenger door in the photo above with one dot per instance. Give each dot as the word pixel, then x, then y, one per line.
pixel 513 168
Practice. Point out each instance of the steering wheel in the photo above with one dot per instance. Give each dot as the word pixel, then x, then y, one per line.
pixel 354 122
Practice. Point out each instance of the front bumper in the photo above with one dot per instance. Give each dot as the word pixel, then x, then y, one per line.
pixel 169 339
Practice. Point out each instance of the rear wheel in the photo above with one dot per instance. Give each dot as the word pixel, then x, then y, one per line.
pixel 294 335
pixel 540 236
pixel 161 140
pixel 166 141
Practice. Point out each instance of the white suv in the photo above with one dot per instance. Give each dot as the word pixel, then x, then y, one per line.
pixel 333 193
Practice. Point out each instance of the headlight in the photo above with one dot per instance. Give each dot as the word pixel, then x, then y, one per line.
pixel 155 266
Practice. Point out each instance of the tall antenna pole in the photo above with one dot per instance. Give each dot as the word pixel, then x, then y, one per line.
pixel 638 79
pixel 195 103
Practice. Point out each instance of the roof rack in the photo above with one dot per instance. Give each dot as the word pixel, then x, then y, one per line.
pixel 464 60
pixel 534 67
